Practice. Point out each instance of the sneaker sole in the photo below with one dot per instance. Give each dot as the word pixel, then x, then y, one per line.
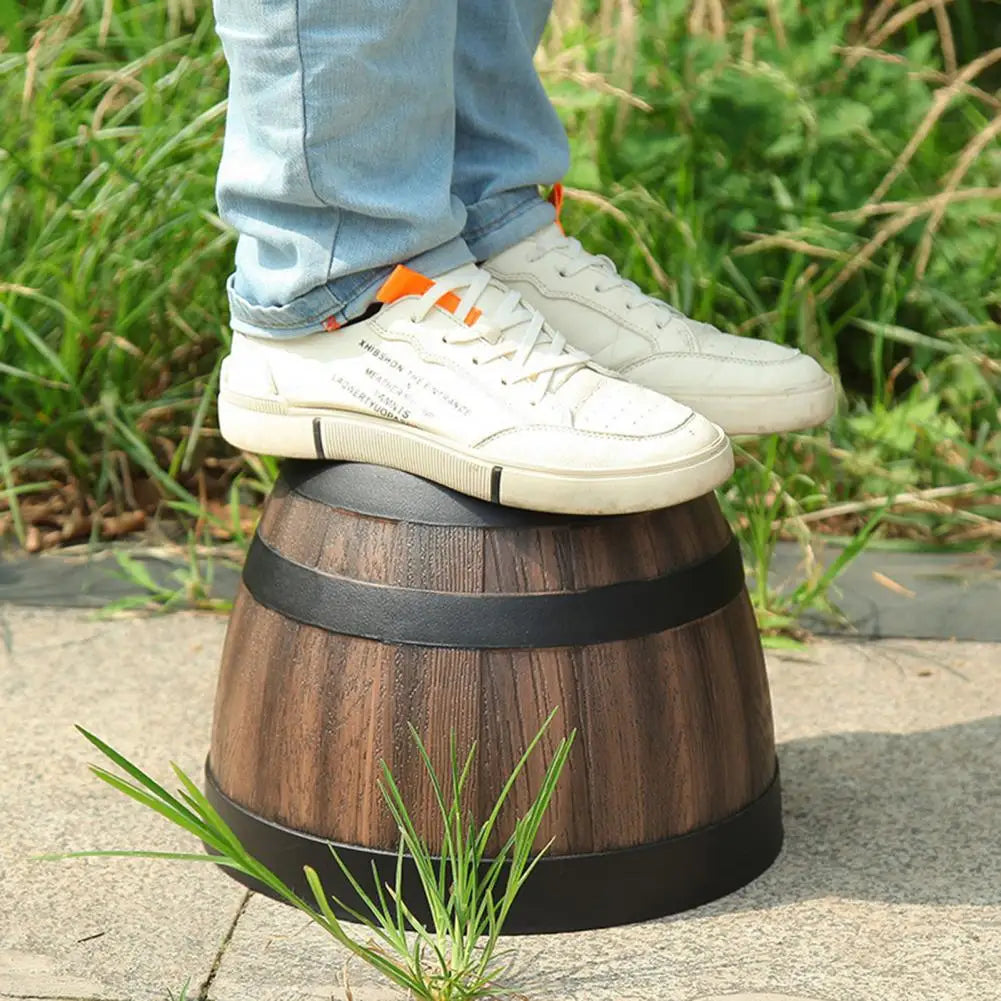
pixel 758 414
pixel 303 433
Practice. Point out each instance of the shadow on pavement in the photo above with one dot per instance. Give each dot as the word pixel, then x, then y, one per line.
pixel 902 818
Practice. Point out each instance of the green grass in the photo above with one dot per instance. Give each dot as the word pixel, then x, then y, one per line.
pixel 799 173
pixel 468 884
pixel 755 178
pixel 829 179
pixel 182 994
pixel 112 309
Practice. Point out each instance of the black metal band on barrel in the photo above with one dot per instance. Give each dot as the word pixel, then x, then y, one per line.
pixel 565 893
pixel 603 614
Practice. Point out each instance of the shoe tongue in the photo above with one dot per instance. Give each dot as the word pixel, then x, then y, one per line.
pixel 402 282
pixel 489 302
pixel 405 281
pixel 551 237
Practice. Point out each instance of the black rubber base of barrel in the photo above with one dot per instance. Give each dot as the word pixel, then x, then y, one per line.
pixel 564 893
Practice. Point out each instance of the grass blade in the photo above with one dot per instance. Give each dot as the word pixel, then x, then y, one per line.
pixel 140 776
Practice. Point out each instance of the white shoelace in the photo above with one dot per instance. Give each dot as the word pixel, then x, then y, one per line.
pixel 508 328
pixel 576 259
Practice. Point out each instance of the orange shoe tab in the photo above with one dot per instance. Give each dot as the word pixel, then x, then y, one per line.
pixel 403 282
pixel 556 200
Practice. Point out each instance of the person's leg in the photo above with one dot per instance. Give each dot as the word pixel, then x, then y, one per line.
pixel 509 139
pixel 338 152
pixel 744 385
pixel 338 166
pixel 509 142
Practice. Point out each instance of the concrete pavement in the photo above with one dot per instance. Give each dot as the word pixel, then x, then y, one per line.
pixel 888 889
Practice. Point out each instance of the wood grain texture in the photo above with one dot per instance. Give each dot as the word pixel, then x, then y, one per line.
pixel 674 729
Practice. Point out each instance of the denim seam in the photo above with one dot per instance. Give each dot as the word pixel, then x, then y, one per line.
pixel 302 101
pixel 305 126
pixel 516 210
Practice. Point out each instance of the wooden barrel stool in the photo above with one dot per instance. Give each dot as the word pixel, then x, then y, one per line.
pixel 372 598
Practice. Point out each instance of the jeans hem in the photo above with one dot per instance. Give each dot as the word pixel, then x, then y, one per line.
pixel 503 225
pixel 312 313
pixel 329 306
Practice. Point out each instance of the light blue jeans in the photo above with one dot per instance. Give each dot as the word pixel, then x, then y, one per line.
pixel 362 134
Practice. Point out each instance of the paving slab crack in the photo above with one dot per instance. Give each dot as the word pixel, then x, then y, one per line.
pixel 203 991
pixel 52 997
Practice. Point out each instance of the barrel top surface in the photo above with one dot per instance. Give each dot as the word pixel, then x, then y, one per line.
pixel 381 492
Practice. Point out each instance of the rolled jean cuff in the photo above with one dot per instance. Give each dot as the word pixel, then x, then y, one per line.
pixel 330 305
pixel 498 223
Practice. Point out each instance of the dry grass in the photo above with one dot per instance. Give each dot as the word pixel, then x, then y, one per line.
pixel 619 22
pixel 123 353
pixel 918 183
pixel 943 98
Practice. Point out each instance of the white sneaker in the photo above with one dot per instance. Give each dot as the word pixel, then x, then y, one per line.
pixel 458 381
pixel 746 386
